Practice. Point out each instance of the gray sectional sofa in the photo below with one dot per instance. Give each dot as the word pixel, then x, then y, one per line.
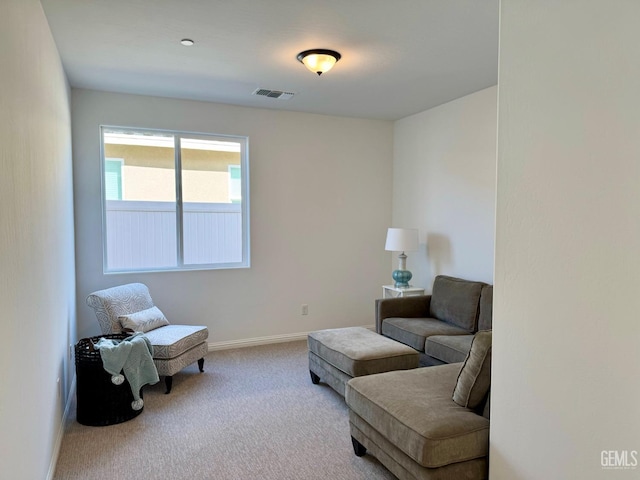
pixel 426 423
pixel 421 423
pixel 439 326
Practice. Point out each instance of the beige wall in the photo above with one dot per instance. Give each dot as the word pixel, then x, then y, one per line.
pixel 566 355
pixel 37 287
pixel 319 213
pixel 444 185
pixel 158 157
pixel 148 173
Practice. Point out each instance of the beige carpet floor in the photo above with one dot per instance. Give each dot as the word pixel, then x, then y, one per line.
pixel 253 414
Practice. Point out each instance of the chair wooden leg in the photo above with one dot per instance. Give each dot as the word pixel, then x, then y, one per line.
pixel 315 379
pixel 358 448
pixel 168 381
pixel 201 364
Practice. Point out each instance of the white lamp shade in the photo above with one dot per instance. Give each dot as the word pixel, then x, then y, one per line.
pixel 402 240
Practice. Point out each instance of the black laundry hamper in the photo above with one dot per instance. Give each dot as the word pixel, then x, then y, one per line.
pixel 99 401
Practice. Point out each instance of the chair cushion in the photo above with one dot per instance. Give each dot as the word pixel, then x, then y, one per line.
pixel 110 303
pixel 413 409
pixel 456 301
pixel 173 340
pixel 449 348
pixel 415 331
pixel 144 321
pixel 486 308
pixel 171 366
pixel 474 380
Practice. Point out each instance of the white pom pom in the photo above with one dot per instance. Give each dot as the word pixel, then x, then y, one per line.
pixel 117 379
pixel 137 404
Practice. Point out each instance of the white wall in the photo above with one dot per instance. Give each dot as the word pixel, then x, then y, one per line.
pixel 566 329
pixel 444 185
pixel 320 205
pixel 37 289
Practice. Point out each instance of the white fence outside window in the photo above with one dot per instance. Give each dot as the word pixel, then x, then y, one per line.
pixel 143 234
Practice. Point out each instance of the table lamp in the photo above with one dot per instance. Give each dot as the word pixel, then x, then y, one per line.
pixel 402 240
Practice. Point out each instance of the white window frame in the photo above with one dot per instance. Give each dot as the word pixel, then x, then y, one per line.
pixel 180 265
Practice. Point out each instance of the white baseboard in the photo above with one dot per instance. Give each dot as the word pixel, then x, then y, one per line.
pixel 254 342
pixel 61 430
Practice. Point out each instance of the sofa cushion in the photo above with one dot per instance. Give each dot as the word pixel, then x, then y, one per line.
pixel 415 331
pixel 486 308
pixel 144 321
pixel 413 306
pixel 456 301
pixel 413 409
pixel 449 348
pixel 474 379
pixel 358 351
pixel 173 340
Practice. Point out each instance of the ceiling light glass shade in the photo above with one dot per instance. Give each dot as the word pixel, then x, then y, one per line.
pixel 319 61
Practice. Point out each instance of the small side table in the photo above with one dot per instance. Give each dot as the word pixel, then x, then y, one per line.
pixel 391 291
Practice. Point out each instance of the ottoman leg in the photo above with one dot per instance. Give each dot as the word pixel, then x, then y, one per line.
pixel 315 379
pixel 358 448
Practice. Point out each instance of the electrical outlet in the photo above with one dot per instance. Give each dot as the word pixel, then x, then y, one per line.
pixel 305 309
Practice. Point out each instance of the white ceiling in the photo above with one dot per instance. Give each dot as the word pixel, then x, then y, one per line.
pixel 399 57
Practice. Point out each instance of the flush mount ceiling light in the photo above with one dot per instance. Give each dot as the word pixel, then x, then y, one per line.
pixel 187 42
pixel 319 60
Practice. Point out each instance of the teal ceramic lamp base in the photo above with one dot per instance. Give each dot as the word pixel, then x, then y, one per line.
pixel 402 278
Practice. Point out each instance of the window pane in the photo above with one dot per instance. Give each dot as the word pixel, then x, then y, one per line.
pixel 212 205
pixel 141 217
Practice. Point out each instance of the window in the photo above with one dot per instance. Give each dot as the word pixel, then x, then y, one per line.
pixel 174 200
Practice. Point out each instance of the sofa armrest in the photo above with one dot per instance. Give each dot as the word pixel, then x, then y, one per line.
pixel 403 307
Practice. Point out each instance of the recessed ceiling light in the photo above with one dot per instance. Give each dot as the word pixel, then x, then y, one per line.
pixel 187 42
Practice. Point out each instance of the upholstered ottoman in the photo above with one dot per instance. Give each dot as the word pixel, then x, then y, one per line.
pixel 340 354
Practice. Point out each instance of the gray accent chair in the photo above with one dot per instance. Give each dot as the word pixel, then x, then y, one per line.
pixel 439 326
pixel 174 346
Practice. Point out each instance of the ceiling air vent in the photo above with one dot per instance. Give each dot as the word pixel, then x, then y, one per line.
pixel 263 92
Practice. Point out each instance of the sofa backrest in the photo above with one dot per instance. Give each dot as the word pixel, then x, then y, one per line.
pixel 456 301
pixel 486 409
pixel 486 308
